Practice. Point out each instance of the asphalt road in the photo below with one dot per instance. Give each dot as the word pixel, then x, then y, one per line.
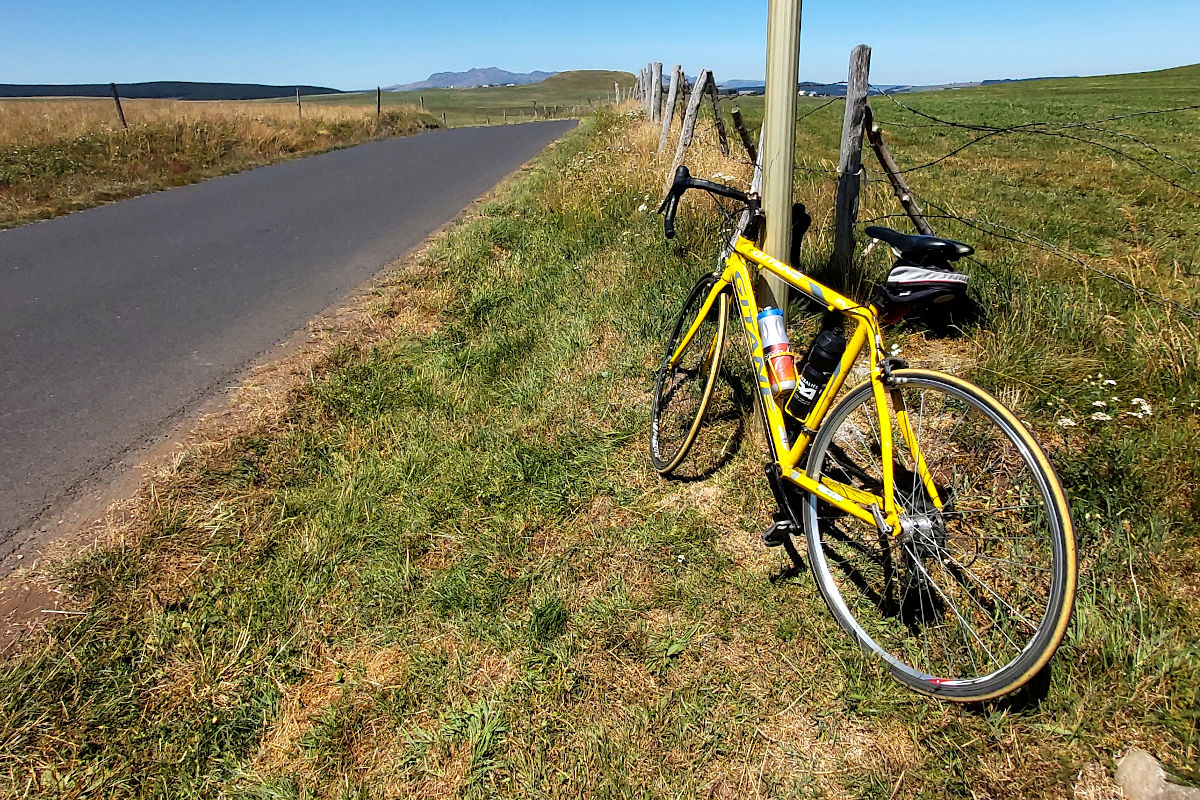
pixel 117 322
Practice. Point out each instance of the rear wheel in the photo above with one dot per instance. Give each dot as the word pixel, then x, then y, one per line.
pixel 969 600
pixel 685 384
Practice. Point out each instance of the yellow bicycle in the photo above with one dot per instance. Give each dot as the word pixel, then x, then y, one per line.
pixel 936 528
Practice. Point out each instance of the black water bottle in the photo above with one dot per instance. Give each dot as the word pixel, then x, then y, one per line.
pixel 818 367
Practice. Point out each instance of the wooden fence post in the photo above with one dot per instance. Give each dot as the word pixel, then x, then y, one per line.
pixel 646 98
pixel 689 124
pixel 299 111
pixel 656 91
pixel 444 125
pixel 669 111
pixel 747 142
pixel 850 163
pixel 899 186
pixel 722 139
pixel 378 101
pixel 112 87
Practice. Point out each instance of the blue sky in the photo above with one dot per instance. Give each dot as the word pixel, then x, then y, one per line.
pixel 370 43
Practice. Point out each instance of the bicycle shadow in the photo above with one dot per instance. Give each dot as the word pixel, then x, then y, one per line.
pixel 723 430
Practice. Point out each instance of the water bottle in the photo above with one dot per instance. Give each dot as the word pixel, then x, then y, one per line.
pixel 816 370
pixel 781 364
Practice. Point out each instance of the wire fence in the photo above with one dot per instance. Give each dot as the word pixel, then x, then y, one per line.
pixel 1095 133
pixel 1098 134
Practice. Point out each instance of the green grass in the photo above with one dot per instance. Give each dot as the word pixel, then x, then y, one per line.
pixel 448 569
pixel 567 94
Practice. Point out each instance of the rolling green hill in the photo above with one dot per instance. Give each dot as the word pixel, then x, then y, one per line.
pixel 564 94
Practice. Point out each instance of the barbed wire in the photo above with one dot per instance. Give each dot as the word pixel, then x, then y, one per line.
pixel 1024 237
pixel 800 118
pixel 1008 233
pixel 1039 128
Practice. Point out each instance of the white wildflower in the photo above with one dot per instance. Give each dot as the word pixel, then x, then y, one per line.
pixel 1066 422
pixel 642 207
pixel 1100 416
pixel 1110 382
pixel 1100 404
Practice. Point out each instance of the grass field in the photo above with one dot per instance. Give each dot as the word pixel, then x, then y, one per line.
pixel 442 566
pixel 567 94
pixel 58 156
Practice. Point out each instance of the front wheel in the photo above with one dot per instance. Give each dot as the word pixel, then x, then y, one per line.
pixel 970 597
pixel 685 379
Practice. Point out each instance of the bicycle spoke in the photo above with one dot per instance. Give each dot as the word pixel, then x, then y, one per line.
pixel 978 620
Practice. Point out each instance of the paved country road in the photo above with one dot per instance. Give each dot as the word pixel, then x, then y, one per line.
pixel 117 322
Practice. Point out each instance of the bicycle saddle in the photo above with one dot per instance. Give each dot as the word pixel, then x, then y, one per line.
pixel 921 250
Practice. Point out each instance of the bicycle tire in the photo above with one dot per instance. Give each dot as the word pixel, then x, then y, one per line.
pixel 682 391
pixel 967 602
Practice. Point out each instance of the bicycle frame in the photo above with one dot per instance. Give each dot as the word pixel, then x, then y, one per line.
pixel 868 507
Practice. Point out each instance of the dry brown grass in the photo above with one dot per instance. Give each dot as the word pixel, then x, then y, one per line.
pixel 41 120
pixel 58 156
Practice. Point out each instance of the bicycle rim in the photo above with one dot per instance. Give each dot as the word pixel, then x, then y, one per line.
pixel 967 601
pixel 682 390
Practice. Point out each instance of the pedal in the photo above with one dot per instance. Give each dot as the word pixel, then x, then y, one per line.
pixel 779 533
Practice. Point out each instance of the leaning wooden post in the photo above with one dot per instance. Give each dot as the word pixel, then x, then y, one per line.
pixel 747 142
pixel 669 111
pixel 378 101
pixel 899 186
pixel 722 139
pixel 850 163
pixel 689 125
pixel 112 87
pixel 656 91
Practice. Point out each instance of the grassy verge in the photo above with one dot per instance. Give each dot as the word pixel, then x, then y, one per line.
pixel 447 569
pixel 62 156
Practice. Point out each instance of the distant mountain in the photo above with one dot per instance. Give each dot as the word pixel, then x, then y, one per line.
pixel 741 84
pixel 163 90
pixel 839 89
pixel 478 76
pixel 1019 80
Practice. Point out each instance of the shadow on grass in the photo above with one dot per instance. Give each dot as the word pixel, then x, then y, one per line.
pixel 722 432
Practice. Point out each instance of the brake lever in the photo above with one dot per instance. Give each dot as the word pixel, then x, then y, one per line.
pixel 671 204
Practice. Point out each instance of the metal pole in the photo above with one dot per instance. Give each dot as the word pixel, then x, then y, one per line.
pixel 778 144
